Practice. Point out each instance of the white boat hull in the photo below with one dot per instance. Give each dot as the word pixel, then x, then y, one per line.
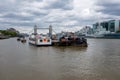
pixel 38 43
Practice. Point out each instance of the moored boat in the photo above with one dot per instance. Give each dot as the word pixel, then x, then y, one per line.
pixel 23 40
pixel 40 39
pixel 18 39
pixel 68 41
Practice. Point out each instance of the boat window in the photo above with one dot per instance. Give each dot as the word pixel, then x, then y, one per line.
pixel 40 40
pixel 48 40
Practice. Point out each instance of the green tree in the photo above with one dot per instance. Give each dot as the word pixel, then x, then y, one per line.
pixel 9 33
pixel 118 31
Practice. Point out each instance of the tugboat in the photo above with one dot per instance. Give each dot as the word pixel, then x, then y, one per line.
pixel 18 39
pixel 23 40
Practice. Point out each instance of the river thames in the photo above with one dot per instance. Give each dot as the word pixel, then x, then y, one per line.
pixel 99 61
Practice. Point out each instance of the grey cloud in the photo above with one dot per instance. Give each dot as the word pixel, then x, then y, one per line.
pixel 61 4
pixel 11 11
pixel 34 0
pixel 27 24
pixel 111 8
pixel 38 13
pixel 9 6
pixel 15 16
pixel 44 16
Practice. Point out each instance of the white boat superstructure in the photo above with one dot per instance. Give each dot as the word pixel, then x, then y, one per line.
pixel 40 39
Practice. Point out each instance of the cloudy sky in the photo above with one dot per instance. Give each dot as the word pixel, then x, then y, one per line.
pixel 69 15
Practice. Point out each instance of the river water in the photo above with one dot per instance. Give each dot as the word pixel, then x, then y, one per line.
pixel 99 61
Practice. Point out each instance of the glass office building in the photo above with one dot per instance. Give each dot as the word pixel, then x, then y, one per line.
pixel 111 25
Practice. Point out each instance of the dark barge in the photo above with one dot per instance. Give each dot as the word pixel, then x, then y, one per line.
pixel 67 41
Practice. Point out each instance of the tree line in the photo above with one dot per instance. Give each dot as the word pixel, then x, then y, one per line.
pixel 9 33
